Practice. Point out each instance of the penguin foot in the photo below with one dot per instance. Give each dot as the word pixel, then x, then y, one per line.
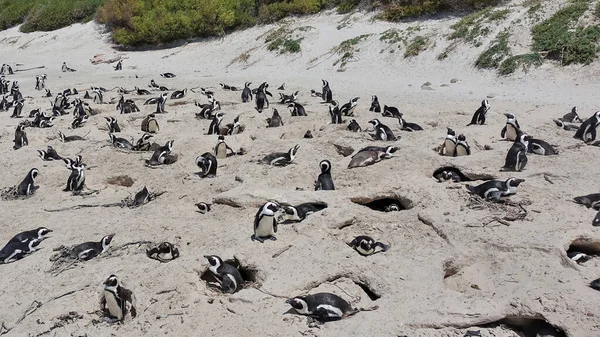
pixel 272 238
pixel 255 238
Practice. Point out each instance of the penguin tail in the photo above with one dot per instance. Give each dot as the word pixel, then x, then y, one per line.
pixel 383 246
pixel 470 188
pixel 373 308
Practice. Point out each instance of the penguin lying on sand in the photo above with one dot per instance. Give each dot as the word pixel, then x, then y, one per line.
pixel 382 131
pixel 14 251
pixel 494 189
pixel 228 276
pixel 366 245
pixel 589 201
pixel 208 164
pixel 371 155
pixel 89 250
pixel 300 212
pixel 281 158
pixel 405 126
pixel 565 126
pixel 571 117
pixel 164 252
pixel 40 233
pixel 116 300
pixel 587 130
pixel 595 284
pixel 324 307
pixel 353 126
pixel 49 154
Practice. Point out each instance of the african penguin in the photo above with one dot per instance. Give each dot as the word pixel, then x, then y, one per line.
pixel 164 252
pixel 150 124
pixel 27 186
pixel 228 276
pixel 89 250
pixel 371 155
pixel 595 284
pixel 589 201
pixel 382 132
pixel 113 125
pixel 275 120
pixel 213 129
pixel 324 307
pixel 297 109
pixel 66 69
pixel 334 113
pixel 265 223
pixel 479 115
pixel 117 300
pixel 287 99
pixel 222 150
pixel 511 129
pixel 203 207
pixel 406 126
pixel 366 245
pixel 348 108
pixel 14 251
pixel 390 111
pixel 76 180
pixel 247 93
pixel 66 139
pixel 18 108
pixel 353 126
pixel 119 65
pixel 281 158
pixel 516 158
pixel 462 147
pixel 300 212
pixel 324 181
pixel 449 145
pixel 177 94
pixel 375 107
pixel 578 257
pixel 167 75
pixel 587 130
pixel 492 190
pixel 162 155
pixel 208 164
pixel 121 143
pixel 565 126
pixel 143 144
pixel 142 91
pixel 40 233
pixel 20 137
pixel 261 97
pixel 235 127
pixel 571 117
pixel 282 86
pixel 326 93
pixel 541 147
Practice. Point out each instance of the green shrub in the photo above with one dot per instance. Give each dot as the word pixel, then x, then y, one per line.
pixel 57 14
pixel 498 15
pixel 14 12
pixel 598 10
pixel 552 35
pixel 511 64
pixel 582 48
pixel 497 52
pixel 346 50
pixel 279 10
pixel 416 46
pixel 398 10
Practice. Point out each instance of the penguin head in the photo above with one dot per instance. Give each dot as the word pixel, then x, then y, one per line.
pixel 354 100
pixel 200 161
pixel 41 154
pixel 221 138
pixel 451 132
pixel 169 145
pixel 514 182
pixel 111 283
pixel 214 261
pixel 203 207
pixel 275 112
pixel 42 232
pixel 597 116
pixel 325 166
pixel 269 208
pixel 298 303
pixel 106 241
pixel 247 84
pixel 389 150
pixel 524 138
pixel 462 137
pixel 375 122
pixel 222 85
pixel 293 151
pixel 509 116
pixel 33 173
pixel 374 98
pixel 292 106
pixel 485 103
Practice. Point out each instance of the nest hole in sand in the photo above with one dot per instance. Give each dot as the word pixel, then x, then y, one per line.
pixel 528 326
pixel 389 203
pixel 367 289
pixel 585 245
pixel 437 174
pixel 249 274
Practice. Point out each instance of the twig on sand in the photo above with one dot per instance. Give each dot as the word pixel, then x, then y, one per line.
pixel 429 222
pixel 548 179
pixel 161 316
pixel 167 291
pixel 175 52
pixel 281 251
pixel 268 292
pixel 27 69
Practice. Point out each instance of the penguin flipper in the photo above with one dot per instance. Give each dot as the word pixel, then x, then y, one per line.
pixel 383 246
pixel 503 132
pixel 227 285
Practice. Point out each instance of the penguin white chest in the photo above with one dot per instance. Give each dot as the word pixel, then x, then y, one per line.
pixel 449 147
pixel 511 132
pixel 113 305
pixel 265 226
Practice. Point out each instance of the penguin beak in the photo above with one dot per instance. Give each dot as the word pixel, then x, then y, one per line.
pixel 519 180
pixel 289 300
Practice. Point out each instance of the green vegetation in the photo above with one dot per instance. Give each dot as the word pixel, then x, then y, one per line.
pixel 470 28
pixel 493 56
pixel 398 10
pixel 283 40
pixel 598 10
pixel 46 15
pixel 416 46
pixel 346 50
pixel 498 15
pixel 511 64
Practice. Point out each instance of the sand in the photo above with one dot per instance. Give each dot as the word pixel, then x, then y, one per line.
pixel 441 279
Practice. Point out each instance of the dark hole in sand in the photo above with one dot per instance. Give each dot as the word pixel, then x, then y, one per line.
pixel 461 175
pixel 384 204
pixel 586 246
pixel 248 273
pixel 372 295
pixel 528 326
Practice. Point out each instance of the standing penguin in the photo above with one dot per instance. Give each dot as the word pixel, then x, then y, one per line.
pixel 275 120
pixel 516 158
pixel 160 105
pixel 222 149
pixel 40 82
pixel 228 276
pixel 327 95
pixel 27 186
pixel 113 125
pixel 208 164
pixel 335 113
pixel 297 109
pixel 117 300
pixel 324 181
pixel 247 93
pixel 449 143
pixel 382 132
pixel 375 107
pixel 462 147
pixel 76 180
pixel 150 124
pixel 262 102
pixel 213 129
pixel 20 137
pixel 119 65
pixel 479 115
pixel 18 108
pixel 587 130
pixel 324 307
pixel 265 223
pixel 511 129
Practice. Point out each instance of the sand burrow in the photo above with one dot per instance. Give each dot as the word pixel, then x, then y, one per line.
pixel 389 203
pixel 250 274
pixel 528 326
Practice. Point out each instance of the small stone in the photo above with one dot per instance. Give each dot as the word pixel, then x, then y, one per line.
pixel 210 300
pixel 240 179
pixel 344 150
pixel 454 80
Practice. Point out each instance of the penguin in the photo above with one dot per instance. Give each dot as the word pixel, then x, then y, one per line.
pixel 578 257
pixel 565 126
pixel 228 87
pixel 479 115
pixel 261 97
pixel 348 108
pixel 213 129
pixel 76 180
pixel 4 104
pixel 375 107
pixel 66 139
pixel 113 125
pixel 48 93
pixel 587 130
pixel 222 149
pixel 334 112
pixel 326 94
pixel 300 212
pixel 595 284
pixel 40 233
pixel 27 186
pixel 314 93
pixel 449 145
pixel 89 250
pixel 297 109
pixel 390 111
pixel 228 276
pixel 70 163
pixel 366 245
pixel 371 155
pixel 235 127
pixel 20 137
pixel 121 143
pixel 492 190
pixel 177 94
pixel 265 224
pixel 281 87
pixel 571 117
pixel 382 132
pixel 275 120
pixel 516 158
pixel 324 307
pixel 206 93
pixel 208 164
pixel 162 155
pixel 160 104
pixel 98 96
pixel 324 181
pixel 281 158
pixel 589 201
pixel 410 127
pixel 247 93
pixel 203 207
pixel 119 65
pixel 143 144
pixel 67 69
pixel 353 126
pixel 167 75
pixel 287 99
pixel 164 252
pixel 142 197
pixel 18 108
pixel 142 91
pixel 117 300
pixel 541 147
pixel 447 175
pixel 40 82
pixel 14 251
pixel 462 147
pixel 308 135
pixel 79 121
pixel 150 124
pixel 510 130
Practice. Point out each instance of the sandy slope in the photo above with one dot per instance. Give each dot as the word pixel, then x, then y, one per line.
pixel 516 270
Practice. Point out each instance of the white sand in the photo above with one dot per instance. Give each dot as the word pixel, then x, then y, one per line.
pixel 521 269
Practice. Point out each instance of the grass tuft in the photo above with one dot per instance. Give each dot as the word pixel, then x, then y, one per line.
pixel 526 61
pixel 493 56
pixel 416 46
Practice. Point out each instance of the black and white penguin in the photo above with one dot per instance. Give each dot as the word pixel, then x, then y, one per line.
pixel 89 250
pixel 353 126
pixel 67 139
pixel 479 115
pixel 541 147
pixel 20 137
pixel 324 307
pixel 375 107
pixel 281 158
pixel 167 75
pixel 324 181
pixel 113 125
pixel 203 207
pixel 589 201
pixel 265 223
pixel 371 155
pixel 334 113
pixel 162 155
pixel 391 111
pixel 511 129
pixel 208 164
pixel 4 103
pixel 300 212
pixel 98 96
pixel 120 143
pixel 287 99
pixel 141 197
pixel 48 93
pixel 150 124
pixel 247 93
pixel 228 276
pixel 462 148
pixel 406 126
pixel 492 190
pixel 14 251
pixel 275 120
pixel 366 245
pixel 282 86
pixel 208 109
pixel 348 108
pixel 160 104
pixel 222 150
pixel 578 257
pixel 565 126
pixel 314 93
pixel 141 91
pixel 177 94
pixel 587 130
pixel 213 129
pixel 27 186
pixel 116 301
pixel 79 121
pixel 235 127
pixel 76 180
pixel 119 65
pixel 297 109
pixel 164 252
pixel 66 69
pixel 17 108
pixel 40 233
pixel 227 87
pixel 571 117
pixel 516 158
pixel 382 132
pixel 326 93
pixel 449 145
pixel 262 102
pixel 308 135
pixel 143 144
pixel 40 82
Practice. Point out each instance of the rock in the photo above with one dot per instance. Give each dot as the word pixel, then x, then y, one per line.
pixel 343 149
pixel 454 80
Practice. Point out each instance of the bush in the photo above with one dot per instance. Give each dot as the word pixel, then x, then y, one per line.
pixel 279 10
pixel 57 14
pixel 14 12
pixel 397 10
pixel 582 48
pixel 553 34
pixel 497 52
pixel 511 64
pixel 416 46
